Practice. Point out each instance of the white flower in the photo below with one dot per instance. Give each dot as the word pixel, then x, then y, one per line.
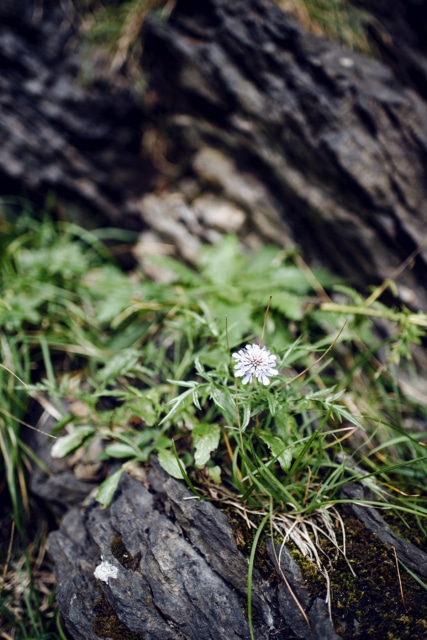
pixel 252 361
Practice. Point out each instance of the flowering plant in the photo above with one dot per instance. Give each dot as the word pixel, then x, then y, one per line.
pixel 255 361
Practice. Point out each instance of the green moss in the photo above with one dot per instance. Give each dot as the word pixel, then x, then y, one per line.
pixel 119 551
pixel 106 624
pixel 369 604
pixel 408 527
pixel 366 605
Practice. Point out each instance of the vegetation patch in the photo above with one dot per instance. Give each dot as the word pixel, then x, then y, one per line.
pixel 334 19
pixel 379 600
pixel 119 551
pixel 106 624
pixel 260 383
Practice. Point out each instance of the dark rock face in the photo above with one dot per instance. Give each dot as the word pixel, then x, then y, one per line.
pixel 158 564
pixel 58 133
pixel 399 36
pixel 167 567
pixel 335 144
pixel 313 144
pixel 408 553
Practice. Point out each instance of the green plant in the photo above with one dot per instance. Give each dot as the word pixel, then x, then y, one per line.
pixel 116 29
pixel 152 365
pixel 27 591
pixel 42 269
pixel 335 19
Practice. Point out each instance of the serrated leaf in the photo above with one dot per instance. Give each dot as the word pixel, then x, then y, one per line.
pixel 290 278
pixel 206 440
pixel 221 262
pixel 289 304
pixel 264 260
pixel 236 314
pixel 108 488
pixel 168 462
pixel 66 444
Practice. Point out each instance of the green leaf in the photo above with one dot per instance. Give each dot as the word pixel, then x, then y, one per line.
pixel 237 318
pixel 147 408
pixel 182 273
pixel 120 450
pixel 196 398
pixel 245 419
pixel 278 448
pixel 215 473
pixel 280 278
pixel 66 444
pixel 168 462
pixel 121 364
pixel 108 488
pixel 225 401
pixel 206 440
pixel 180 402
pixel 289 304
pixel 221 263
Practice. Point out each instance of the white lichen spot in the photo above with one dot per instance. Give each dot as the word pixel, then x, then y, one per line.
pixel 105 570
pixel 346 62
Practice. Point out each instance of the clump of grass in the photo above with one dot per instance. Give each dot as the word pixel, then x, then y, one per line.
pixel 27 590
pixel 116 30
pixel 43 301
pixel 152 366
pixel 334 19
